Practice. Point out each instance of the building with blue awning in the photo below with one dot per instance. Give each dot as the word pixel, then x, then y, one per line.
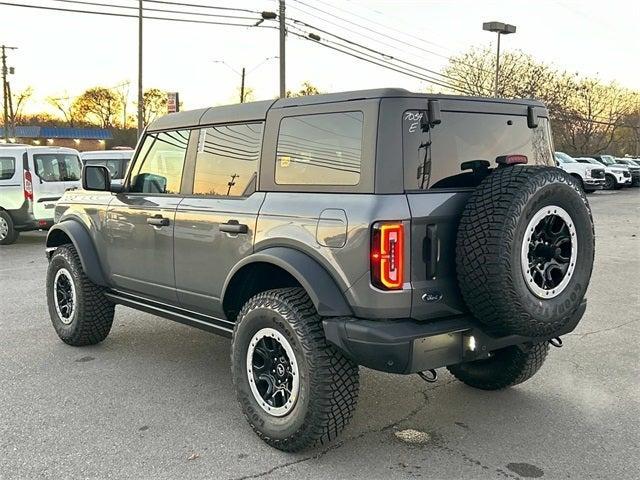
pixel 79 138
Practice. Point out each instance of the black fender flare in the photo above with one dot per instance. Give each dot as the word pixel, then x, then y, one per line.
pixel 320 286
pixel 84 246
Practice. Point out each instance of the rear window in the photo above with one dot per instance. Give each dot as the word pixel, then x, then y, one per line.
pixel 321 149
pixel 434 155
pixel 7 167
pixel 57 167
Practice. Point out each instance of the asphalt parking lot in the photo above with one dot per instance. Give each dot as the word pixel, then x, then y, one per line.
pixel 155 400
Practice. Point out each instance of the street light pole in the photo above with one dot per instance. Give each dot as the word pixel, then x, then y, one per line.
pixel 281 18
pixel 501 29
pixel 140 92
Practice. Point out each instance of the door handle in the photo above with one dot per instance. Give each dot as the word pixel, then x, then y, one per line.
pixel 233 226
pixel 158 221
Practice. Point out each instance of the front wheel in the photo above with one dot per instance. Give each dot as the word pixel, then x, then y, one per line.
pixel 295 389
pixel 79 311
pixel 505 368
pixel 610 182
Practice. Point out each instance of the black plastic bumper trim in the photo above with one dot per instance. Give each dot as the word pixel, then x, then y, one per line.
pixel 408 346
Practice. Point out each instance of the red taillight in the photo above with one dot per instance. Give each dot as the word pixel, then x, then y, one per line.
pixel 512 159
pixel 387 256
pixel 28 186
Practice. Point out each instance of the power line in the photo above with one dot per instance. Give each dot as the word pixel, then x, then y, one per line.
pixel 385 56
pixel 363 56
pixel 124 15
pixel 377 32
pixel 210 7
pixel 158 10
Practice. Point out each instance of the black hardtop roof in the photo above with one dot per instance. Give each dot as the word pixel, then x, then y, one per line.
pixel 243 112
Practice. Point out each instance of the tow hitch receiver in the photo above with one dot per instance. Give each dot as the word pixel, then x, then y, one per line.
pixel 429 376
pixel 556 342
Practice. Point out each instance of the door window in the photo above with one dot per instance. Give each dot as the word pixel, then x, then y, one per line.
pixel 227 159
pixel 57 167
pixel 7 167
pixel 159 166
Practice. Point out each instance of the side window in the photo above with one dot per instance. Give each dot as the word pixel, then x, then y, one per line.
pixel 227 159
pixel 322 149
pixel 57 167
pixel 158 168
pixel 7 167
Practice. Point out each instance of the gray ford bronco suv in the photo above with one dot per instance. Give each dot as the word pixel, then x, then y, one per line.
pixel 399 231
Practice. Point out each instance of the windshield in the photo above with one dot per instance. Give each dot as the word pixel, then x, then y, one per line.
pixel 564 158
pixel 57 167
pixel 607 160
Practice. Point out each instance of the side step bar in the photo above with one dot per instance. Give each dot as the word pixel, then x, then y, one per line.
pixel 187 317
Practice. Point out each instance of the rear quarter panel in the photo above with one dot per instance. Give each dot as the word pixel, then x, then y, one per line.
pixel 292 220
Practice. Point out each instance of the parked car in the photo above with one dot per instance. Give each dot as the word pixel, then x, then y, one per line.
pixel 615 177
pixel 634 168
pixel 400 231
pixel 610 161
pixel 116 161
pixel 590 178
pixel 32 180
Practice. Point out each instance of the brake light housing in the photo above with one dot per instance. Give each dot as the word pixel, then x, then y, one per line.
pixel 28 186
pixel 387 255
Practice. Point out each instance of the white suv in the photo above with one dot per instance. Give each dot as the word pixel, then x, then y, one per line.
pixel 591 177
pixel 616 176
pixel 32 180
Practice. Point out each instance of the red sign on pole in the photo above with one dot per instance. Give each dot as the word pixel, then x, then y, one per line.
pixel 173 102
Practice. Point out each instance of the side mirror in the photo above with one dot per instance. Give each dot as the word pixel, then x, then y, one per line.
pixel 96 178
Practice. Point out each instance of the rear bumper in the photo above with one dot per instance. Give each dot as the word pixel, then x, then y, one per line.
pixel 409 346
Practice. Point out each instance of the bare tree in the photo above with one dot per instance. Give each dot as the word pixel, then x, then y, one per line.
pixel 19 102
pixel 65 105
pixel 99 105
pixel 307 88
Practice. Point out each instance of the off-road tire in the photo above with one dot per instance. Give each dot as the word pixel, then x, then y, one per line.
pixel 11 235
pixel 488 250
pixel 93 314
pixel 329 381
pixel 506 367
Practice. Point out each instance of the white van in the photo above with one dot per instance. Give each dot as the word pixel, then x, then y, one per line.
pixel 32 180
pixel 117 161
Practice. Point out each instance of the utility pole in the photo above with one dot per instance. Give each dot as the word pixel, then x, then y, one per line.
pixel 5 91
pixel 242 87
pixel 281 18
pixel 140 93
pixel 232 183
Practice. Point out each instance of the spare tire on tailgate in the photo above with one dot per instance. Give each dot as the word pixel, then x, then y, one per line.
pixel 525 249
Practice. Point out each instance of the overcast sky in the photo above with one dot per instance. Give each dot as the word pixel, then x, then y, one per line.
pixel 64 53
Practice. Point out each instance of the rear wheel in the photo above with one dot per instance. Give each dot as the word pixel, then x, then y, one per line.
pixel 505 368
pixel 8 234
pixel 295 389
pixel 525 250
pixel 79 311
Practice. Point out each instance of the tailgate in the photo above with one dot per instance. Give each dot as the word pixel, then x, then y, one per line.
pixel 434 223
